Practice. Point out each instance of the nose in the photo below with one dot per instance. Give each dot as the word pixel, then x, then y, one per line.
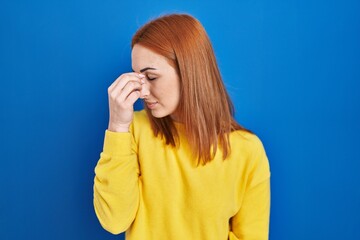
pixel 145 91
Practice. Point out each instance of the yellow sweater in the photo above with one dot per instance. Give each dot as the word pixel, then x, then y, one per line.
pixel 155 191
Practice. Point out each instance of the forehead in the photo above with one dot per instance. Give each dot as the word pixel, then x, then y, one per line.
pixel 142 57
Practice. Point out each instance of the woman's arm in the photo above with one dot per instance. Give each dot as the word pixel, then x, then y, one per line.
pixel 252 220
pixel 116 186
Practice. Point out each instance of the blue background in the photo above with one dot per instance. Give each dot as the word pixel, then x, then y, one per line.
pixel 291 67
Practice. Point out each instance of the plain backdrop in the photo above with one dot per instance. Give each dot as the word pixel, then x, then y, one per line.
pixel 292 68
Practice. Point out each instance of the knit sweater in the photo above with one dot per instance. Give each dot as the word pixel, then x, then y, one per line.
pixel 155 191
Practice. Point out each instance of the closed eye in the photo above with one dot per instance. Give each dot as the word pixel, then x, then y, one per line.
pixel 149 78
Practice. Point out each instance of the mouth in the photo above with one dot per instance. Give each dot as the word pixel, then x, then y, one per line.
pixel 151 105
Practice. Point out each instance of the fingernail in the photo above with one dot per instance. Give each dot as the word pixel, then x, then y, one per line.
pixel 142 81
pixel 141 75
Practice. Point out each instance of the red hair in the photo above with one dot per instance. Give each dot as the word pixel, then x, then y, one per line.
pixel 205 107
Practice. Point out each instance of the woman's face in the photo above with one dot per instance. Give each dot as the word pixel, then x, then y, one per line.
pixel 161 90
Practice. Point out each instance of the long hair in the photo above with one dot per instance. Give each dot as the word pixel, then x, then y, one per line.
pixel 205 107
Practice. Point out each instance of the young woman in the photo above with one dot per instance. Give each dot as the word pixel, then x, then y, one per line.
pixel 182 168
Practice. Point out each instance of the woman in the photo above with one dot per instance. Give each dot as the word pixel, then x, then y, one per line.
pixel 182 168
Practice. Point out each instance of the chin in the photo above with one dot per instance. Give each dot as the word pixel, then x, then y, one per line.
pixel 158 114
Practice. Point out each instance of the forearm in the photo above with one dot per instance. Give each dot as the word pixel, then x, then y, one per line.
pixel 116 189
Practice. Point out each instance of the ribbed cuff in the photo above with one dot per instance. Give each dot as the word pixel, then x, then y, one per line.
pixel 117 143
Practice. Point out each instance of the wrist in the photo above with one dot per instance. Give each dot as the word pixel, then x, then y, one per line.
pixel 118 128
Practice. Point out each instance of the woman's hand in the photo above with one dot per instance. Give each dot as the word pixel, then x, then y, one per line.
pixel 123 93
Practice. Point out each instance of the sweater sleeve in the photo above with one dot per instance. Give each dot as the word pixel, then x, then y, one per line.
pixel 252 220
pixel 116 183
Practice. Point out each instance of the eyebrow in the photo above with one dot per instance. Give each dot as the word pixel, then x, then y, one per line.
pixel 147 68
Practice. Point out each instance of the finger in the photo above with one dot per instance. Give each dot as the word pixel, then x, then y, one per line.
pixel 130 87
pixel 130 77
pixel 116 82
pixel 131 99
pixel 123 79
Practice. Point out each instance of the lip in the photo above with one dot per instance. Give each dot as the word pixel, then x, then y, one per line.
pixel 151 105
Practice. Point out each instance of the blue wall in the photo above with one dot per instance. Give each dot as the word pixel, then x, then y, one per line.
pixel 291 67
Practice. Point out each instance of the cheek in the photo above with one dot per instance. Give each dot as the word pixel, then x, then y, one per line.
pixel 168 96
pixel 166 90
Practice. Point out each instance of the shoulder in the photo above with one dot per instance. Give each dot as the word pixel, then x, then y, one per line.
pixel 248 142
pixel 252 152
pixel 140 117
pixel 141 124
